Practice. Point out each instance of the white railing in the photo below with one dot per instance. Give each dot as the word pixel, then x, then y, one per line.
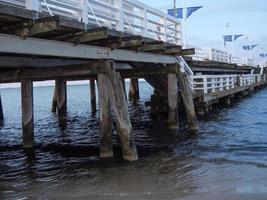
pixel 217 55
pixel 123 15
pixel 206 84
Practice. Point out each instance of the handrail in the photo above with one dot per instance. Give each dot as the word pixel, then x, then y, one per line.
pixel 142 19
pixel 207 84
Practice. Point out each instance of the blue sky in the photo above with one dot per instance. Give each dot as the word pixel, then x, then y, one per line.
pixel 206 26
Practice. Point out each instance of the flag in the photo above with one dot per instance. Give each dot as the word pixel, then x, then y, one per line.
pixel 263 55
pixel 237 36
pixel 246 47
pixel 253 46
pixel 178 14
pixel 190 10
pixel 227 38
pixel 250 47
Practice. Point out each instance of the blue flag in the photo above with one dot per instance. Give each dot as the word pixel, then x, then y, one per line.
pixel 227 38
pixel 190 10
pixel 178 14
pixel 246 47
pixel 237 36
pixel 253 46
pixel 250 47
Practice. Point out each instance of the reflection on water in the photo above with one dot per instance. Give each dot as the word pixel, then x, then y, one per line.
pixel 228 154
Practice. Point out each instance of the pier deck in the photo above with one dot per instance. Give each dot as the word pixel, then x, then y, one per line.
pixel 36 46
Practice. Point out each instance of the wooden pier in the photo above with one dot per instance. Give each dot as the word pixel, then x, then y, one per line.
pixel 36 47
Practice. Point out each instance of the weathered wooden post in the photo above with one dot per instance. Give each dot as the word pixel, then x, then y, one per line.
pixel 106 149
pixel 121 114
pixel 173 101
pixel 133 91
pixel 54 100
pixel 61 96
pixel 27 113
pixel 93 96
pixel 187 95
pixel 1 110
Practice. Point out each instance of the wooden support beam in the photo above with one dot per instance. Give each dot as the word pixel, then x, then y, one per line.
pixel 173 101
pixel 61 95
pixel 125 43
pixel 121 114
pixel 133 94
pixel 90 35
pixel 187 96
pixel 1 110
pixel 172 50
pixel 52 73
pixel 190 51
pixel 54 101
pixel 27 113
pixel 32 27
pixel 106 149
pixel 152 48
pixel 93 96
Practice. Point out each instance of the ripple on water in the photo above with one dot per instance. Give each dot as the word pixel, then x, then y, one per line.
pixel 227 155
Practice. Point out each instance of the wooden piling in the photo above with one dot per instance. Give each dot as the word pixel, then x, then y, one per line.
pixel 124 87
pixel 187 96
pixel 1 110
pixel 27 113
pixel 93 96
pixel 54 101
pixel 133 95
pixel 121 114
pixel 61 98
pixel 173 101
pixel 106 149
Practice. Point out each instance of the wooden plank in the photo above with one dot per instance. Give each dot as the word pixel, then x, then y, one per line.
pixel 172 50
pixel 121 114
pixel 32 27
pixel 27 113
pixel 185 52
pixel 106 149
pixel 152 48
pixel 90 35
pixel 52 73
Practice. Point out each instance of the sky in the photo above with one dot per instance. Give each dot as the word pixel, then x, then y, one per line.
pixel 206 27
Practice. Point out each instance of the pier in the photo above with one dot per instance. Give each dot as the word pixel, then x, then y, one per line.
pixel 105 43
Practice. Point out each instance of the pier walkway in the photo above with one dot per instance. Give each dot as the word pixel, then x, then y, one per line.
pixel 105 42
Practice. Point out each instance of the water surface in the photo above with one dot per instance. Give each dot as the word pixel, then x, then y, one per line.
pixel 227 155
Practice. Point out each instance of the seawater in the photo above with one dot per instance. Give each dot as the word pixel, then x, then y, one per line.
pixel 227 155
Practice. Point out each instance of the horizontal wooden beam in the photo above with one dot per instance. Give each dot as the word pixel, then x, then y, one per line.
pixel 52 73
pixel 32 27
pixel 185 52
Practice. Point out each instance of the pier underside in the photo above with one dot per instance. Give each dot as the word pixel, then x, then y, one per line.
pixel 57 48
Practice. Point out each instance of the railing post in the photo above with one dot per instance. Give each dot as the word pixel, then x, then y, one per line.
pixel 84 14
pixel 34 5
pixel 120 16
pixel 205 85
pixel 164 28
pixel 144 22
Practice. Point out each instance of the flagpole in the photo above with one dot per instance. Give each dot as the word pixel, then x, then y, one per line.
pixel 175 15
